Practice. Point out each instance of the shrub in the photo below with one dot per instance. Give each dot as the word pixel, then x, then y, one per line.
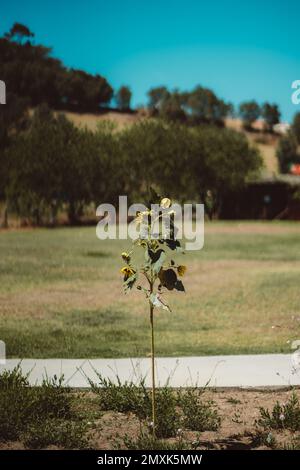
pixel 15 404
pixel 39 416
pixel 167 418
pixel 286 152
pixel 198 415
pixel 52 400
pixel 129 397
pixel 286 416
pixel 263 438
pixel 119 397
pixel 294 444
pixel 62 433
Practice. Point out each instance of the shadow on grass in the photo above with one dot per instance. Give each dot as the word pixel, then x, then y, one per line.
pixel 97 254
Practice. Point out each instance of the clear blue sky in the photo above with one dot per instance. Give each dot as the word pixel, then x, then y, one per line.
pixel 241 49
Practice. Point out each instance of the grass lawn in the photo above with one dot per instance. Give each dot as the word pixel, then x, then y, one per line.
pixel 61 295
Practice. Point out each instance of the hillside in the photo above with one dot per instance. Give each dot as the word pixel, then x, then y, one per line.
pixel 90 120
pixel 266 144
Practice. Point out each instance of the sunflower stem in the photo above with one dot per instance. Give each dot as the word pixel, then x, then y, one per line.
pixel 152 365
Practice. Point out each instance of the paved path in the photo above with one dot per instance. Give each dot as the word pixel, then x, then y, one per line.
pixel 221 371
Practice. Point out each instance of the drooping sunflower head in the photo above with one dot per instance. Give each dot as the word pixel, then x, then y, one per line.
pixel 181 270
pixel 126 256
pixel 127 271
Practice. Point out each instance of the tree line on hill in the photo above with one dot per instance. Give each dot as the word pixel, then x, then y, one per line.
pixel 30 72
pixel 48 164
pixel 52 165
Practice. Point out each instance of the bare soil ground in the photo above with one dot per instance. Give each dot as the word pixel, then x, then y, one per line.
pixel 238 408
pixel 91 120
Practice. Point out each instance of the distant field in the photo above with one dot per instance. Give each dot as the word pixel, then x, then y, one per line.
pixel 61 295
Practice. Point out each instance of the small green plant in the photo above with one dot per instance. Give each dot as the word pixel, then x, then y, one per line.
pixel 168 418
pixel 136 398
pixel 15 404
pixel 237 418
pixel 234 401
pixel 157 234
pixel 261 437
pixel 52 400
pixel 122 397
pixel 294 444
pixel 14 379
pixel 197 414
pixel 146 441
pixel 62 433
pixel 286 416
pixel 38 416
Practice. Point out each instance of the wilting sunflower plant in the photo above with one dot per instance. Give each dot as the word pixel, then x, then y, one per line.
pixel 159 271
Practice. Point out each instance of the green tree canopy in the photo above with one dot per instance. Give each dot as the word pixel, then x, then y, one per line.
pixel 249 111
pixel 287 152
pixel 204 106
pixel 186 162
pixel 157 96
pixel 30 71
pixel 296 127
pixel 19 32
pixel 200 105
pixel 123 98
pixel 271 114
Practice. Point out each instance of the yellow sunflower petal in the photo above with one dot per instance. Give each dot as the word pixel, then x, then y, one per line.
pixel 181 270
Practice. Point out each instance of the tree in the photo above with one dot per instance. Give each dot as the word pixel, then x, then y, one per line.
pixel 221 161
pixel 198 106
pixel 123 97
pixel 171 107
pixel 54 164
pixel 204 106
pixel 48 168
pixel 161 147
pixel 12 120
pixel 30 71
pixel 296 127
pixel 156 97
pixel 19 32
pixel 84 91
pixel 185 162
pixel 106 165
pixel 271 114
pixel 287 152
pixel 249 111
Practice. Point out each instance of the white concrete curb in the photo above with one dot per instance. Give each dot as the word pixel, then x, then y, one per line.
pixel 262 370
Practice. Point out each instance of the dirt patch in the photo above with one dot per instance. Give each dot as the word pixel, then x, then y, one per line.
pixel 37 302
pixel 239 409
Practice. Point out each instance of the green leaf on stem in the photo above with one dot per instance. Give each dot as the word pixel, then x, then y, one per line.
pixel 157 259
pixel 129 283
